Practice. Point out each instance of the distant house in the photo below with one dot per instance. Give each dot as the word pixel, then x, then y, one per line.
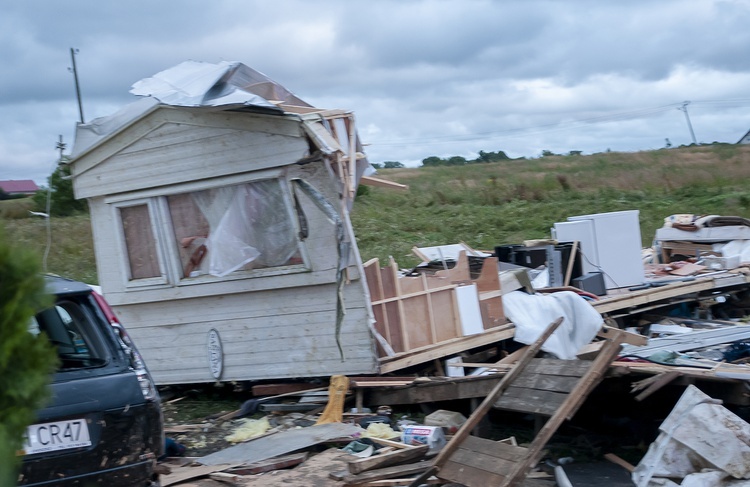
pixel 745 138
pixel 25 187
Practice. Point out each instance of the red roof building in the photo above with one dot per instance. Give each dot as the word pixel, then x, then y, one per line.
pixel 21 186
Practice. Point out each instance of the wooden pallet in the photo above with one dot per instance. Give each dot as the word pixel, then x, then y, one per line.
pixel 549 387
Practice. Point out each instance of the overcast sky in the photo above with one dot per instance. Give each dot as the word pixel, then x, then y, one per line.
pixel 424 78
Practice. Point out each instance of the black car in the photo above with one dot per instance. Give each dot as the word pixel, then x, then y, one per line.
pixel 103 425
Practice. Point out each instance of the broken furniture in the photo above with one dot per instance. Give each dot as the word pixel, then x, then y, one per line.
pixel 424 310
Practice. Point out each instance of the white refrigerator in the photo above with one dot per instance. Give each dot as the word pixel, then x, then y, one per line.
pixel 610 243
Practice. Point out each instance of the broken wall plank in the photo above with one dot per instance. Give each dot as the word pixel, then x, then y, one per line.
pixel 388 459
pixel 533 401
pixel 386 473
pixel 448 347
pixel 184 473
pixel 490 294
pixel 655 385
pixel 276 463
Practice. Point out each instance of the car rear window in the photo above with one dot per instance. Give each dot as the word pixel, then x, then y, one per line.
pixel 70 328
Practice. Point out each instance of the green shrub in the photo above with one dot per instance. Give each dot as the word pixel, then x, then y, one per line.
pixel 62 201
pixel 26 361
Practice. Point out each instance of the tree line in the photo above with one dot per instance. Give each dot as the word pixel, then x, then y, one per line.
pixel 484 157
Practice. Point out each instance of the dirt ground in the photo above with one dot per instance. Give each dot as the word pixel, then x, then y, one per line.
pixel 193 420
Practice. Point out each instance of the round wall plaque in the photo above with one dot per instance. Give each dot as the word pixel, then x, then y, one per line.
pixel 215 354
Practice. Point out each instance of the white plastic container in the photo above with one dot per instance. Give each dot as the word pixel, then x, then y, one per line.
pixel 431 436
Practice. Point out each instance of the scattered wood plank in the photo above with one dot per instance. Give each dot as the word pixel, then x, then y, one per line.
pixel 282 388
pixel 178 399
pixel 387 459
pixel 387 473
pixel 399 482
pixel 656 383
pixel 183 428
pixel 313 472
pixel 189 472
pixel 619 461
pixel 391 443
pixel 445 348
pixel 276 463
pixel 610 332
pixel 475 462
pixel 227 478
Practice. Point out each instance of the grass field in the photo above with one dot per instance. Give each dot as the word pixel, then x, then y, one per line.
pixel 483 205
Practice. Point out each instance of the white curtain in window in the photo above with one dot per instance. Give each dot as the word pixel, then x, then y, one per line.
pixel 227 251
pixel 247 223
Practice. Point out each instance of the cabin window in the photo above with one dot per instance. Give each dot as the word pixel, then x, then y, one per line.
pixel 211 232
pixel 140 244
pixel 242 227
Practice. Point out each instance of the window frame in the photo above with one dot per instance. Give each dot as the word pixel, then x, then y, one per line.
pixel 125 267
pixel 162 225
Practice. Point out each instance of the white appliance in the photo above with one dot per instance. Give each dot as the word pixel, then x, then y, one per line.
pixel 610 243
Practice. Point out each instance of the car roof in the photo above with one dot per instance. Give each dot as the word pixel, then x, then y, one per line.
pixel 61 286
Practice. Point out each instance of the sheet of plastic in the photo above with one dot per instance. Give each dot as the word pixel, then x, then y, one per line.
pixel 532 313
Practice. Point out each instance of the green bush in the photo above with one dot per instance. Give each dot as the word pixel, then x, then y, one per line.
pixel 62 201
pixel 26 361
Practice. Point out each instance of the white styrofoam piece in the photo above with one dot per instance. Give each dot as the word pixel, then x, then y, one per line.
pixel 468 309
pixel 454 371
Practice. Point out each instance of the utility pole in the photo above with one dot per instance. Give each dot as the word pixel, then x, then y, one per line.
pixel 75 77
pixel 687 118
pixel 61 147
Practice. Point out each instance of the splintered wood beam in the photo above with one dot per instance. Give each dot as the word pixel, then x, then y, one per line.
pixel 660 381
pixel 445 348
pixel 382 183
pixel 388 459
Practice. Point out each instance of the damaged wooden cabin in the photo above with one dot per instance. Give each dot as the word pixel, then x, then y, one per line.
pixel 219 204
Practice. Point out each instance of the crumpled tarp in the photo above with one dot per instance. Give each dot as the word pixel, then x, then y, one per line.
pixel 199 84
pixel 191 84
pixel 532 314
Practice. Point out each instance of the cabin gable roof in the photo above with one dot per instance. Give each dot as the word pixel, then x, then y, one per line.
pixel 170 145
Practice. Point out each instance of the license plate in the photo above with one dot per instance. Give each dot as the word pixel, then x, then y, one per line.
pixel 60 435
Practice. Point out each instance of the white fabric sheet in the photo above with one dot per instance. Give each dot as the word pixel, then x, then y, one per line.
pixel 532 314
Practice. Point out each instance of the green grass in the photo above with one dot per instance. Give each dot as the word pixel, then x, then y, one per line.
pixel 71 253
pixel 486 205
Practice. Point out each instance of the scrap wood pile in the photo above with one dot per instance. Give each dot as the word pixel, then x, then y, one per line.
pixel 333 450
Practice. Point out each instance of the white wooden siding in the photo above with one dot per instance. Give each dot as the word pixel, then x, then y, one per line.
pixel 174 149
pixel 264 335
